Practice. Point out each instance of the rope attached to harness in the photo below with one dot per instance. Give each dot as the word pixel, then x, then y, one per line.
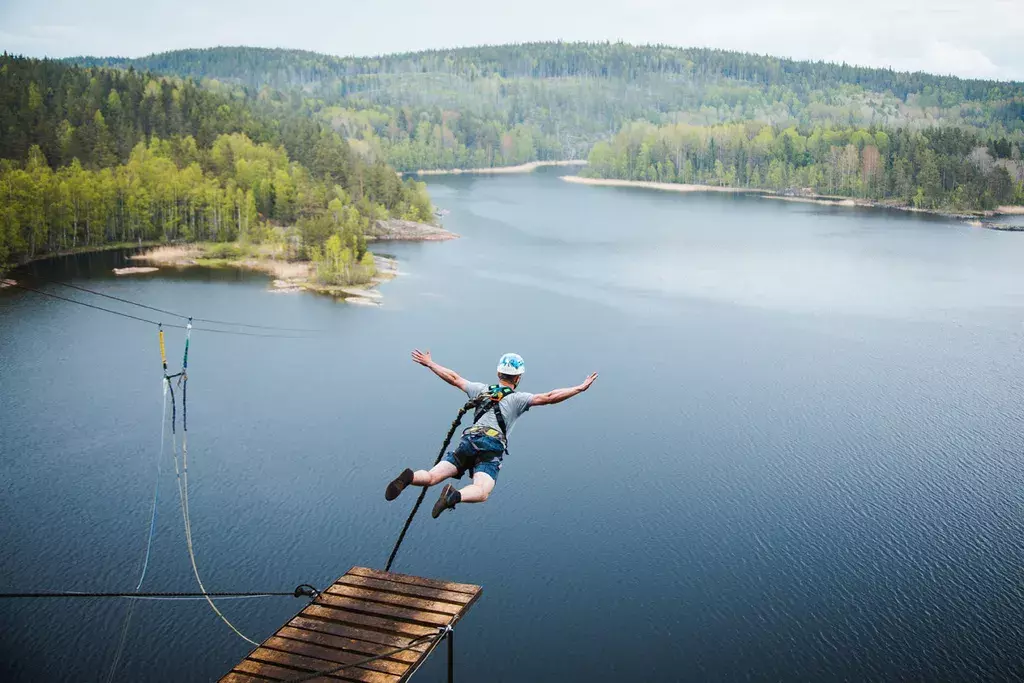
pixel 496 393
pixel 470 405
pixel 478 404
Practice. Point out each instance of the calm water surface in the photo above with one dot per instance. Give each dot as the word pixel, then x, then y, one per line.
pixel 802 460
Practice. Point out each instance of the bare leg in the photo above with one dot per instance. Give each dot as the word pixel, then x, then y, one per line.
pixel 479 490
pixel 437 474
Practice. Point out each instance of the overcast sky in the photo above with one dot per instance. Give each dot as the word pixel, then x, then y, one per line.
pixel 974 38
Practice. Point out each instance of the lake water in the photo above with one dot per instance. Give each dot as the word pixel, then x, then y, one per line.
pixel 801 462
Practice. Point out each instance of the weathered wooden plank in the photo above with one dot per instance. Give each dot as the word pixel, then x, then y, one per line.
pixel 366 613
pixel 248 667
pixel 314 664
pixel 415 580
pixel 389 626
pixel 330 654
pixel 405 589
pixel 345 631
pixel 273 672
pixel 235 677
pixel 445 608
pixel 381 610
pixel 364 647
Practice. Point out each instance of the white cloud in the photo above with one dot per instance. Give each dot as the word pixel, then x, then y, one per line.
pixel 935 56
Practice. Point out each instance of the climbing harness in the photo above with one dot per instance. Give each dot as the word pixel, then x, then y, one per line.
pixel 494 394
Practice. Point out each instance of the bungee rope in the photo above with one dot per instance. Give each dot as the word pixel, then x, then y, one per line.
pixel 471 404
pixel 181 472
pixel 182 479
pixel 152 523
pixel 156 489
pixel 159 467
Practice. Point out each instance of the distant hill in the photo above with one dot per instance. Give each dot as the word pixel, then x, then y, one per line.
pixel 506 104
pixel 281 68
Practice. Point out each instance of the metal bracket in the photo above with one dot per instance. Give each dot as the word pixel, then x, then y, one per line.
pixel 447 632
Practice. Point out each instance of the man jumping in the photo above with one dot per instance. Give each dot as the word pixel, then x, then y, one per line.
pixel 485 442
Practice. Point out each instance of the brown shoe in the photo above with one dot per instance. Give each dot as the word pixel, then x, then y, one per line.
pixel 398 485
pixel 445 500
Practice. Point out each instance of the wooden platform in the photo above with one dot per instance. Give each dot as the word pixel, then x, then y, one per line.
pixel 366 612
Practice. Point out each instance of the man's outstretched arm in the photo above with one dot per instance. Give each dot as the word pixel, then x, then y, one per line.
pixel 559 395
pixel 450 376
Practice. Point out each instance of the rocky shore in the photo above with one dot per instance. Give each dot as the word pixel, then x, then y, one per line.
pixel 396 230
pixel 292 275
pixel 286 276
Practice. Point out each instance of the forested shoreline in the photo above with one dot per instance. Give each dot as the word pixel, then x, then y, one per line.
pixel 97 156
pixel 257 144
pixel 935 169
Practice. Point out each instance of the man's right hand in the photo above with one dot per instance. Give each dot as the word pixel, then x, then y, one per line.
pixel 450 376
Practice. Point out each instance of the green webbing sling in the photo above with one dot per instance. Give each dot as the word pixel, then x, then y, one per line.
pixel 494 394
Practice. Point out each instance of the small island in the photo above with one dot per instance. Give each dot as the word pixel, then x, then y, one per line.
pixel 336 271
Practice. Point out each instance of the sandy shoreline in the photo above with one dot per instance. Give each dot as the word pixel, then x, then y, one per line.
pixel 286 276
pixel 521 168
pixel 849 201
pixel 969 216
pixel 816 199
pixel 668 187
pixel 869 204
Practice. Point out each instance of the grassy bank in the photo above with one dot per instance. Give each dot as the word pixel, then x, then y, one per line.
pixel 287 274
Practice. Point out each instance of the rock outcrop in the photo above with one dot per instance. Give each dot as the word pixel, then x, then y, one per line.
pixel 409 231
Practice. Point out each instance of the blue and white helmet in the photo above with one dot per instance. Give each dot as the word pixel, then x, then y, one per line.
pixel 511 364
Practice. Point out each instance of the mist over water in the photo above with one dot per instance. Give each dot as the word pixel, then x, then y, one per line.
pixel 801 461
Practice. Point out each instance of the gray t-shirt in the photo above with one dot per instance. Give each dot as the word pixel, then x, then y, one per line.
pixel 511 407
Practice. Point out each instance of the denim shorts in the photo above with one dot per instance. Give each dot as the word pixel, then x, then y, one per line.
pixel 477 453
